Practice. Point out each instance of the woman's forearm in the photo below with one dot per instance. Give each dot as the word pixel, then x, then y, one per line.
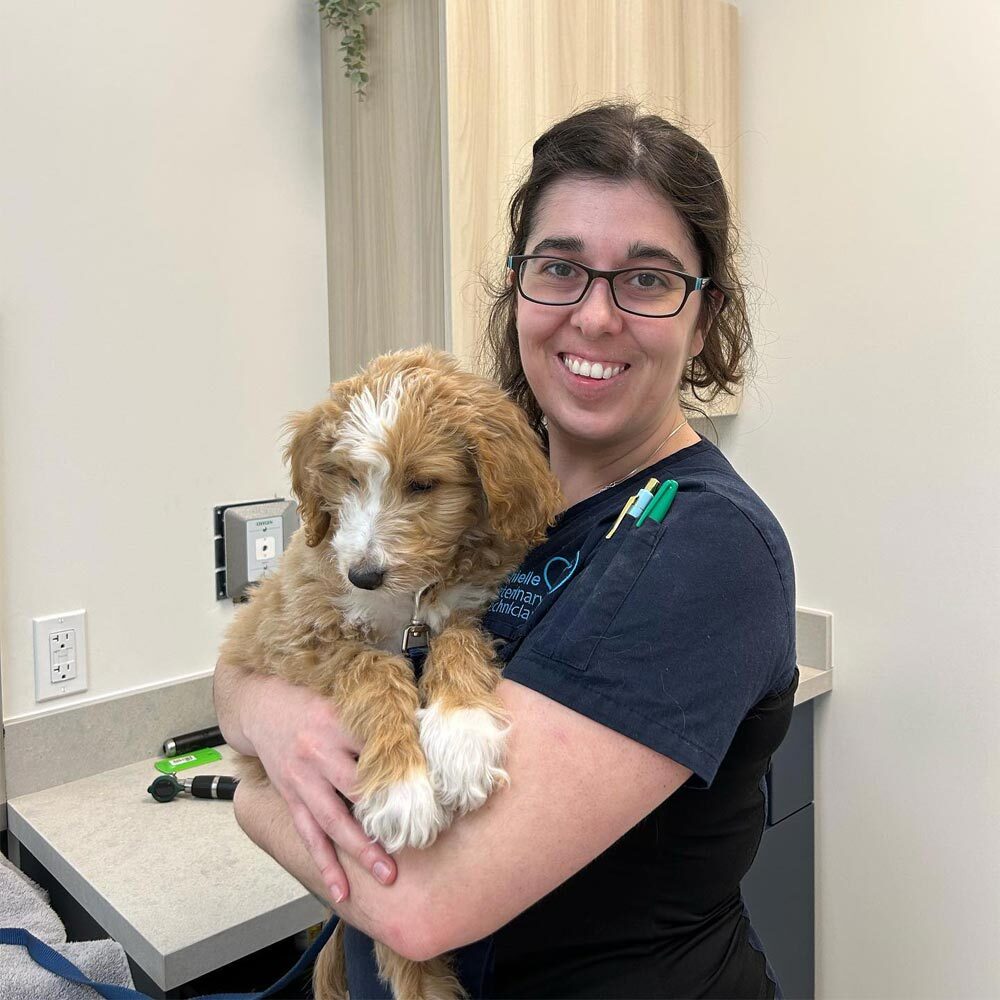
pixel 231 688
pixel 565 804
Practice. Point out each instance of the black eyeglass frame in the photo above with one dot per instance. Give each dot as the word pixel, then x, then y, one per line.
pixel 691 283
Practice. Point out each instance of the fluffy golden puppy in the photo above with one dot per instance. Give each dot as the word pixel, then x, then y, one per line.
pixel 414 478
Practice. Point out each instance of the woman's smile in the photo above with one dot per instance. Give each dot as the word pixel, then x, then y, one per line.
pixel 592 369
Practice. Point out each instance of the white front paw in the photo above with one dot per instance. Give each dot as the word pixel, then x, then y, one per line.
pixel 464 749
pixel 406 814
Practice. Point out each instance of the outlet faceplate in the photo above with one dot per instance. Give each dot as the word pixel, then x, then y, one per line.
pixel 60 655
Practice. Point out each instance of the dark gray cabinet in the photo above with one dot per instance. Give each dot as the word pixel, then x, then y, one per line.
pixel 778 889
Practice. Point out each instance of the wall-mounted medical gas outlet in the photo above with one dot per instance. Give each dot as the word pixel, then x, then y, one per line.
pixel 60 655
pixel 249 538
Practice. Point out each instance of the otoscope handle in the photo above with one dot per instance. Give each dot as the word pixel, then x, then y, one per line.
pixel 211 737
pixel 213 786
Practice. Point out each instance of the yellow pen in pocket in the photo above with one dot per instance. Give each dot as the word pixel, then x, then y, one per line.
pixel 621 516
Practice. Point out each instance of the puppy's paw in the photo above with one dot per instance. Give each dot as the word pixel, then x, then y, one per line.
pixel 464 749
pixel 404 814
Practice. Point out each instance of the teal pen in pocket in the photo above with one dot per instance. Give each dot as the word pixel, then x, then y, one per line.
pixel 656 509
pixel 643 498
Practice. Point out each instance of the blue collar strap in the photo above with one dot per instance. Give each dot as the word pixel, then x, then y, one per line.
pixel 50 959
pixel 416 657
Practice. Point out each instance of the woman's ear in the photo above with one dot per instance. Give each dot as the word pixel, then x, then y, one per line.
pixel 710 309
pixel 713 305
pixel 697 343
pixel 313 433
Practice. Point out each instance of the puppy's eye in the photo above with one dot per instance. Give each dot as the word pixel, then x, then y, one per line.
pixel 421 486
pixel 354 480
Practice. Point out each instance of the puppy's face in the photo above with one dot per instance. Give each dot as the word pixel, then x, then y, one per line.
pixel 412 466
pixel 405 487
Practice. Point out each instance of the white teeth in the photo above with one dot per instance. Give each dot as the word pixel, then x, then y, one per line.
pixel 595 369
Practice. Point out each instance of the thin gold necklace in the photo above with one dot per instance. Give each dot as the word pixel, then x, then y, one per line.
pixel 644 462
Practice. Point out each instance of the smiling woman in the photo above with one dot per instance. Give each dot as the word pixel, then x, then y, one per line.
pixel 606 424
pixel 649 672
pixel 648 203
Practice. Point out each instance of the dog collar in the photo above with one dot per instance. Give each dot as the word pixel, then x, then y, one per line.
pixel 415 636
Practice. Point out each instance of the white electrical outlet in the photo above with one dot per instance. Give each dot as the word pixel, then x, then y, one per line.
pixel 60 655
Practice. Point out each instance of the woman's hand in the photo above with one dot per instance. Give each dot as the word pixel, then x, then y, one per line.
pixel 308 757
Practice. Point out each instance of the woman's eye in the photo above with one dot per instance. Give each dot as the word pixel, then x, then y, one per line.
pixel 421 486
pixel 560 269
pixel 648 279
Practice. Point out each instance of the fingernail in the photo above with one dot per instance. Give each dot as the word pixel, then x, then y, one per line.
pixel 337 894
pixel 381 871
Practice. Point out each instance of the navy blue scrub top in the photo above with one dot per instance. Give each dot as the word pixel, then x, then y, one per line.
pixel 681 636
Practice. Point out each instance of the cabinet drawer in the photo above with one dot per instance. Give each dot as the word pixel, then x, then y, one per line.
pixel 778 892
pixel 790 779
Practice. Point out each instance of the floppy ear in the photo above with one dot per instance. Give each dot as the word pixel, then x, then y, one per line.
pixel 522 495
pixel 312 434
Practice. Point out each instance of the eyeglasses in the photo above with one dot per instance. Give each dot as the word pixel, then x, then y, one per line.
pixel 642 291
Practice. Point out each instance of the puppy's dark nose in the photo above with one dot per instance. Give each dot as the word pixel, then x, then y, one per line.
pixel 365 577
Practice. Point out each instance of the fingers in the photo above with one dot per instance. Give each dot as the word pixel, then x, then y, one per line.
pixel 312 761
pixel 322 851
pixel 268 822
pixel 331 816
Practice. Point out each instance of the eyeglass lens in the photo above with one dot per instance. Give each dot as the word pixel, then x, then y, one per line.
pixel 643 290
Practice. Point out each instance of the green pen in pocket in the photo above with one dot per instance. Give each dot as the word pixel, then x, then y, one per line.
pixel 656 509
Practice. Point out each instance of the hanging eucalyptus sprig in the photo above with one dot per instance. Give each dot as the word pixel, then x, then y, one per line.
pixel 346 16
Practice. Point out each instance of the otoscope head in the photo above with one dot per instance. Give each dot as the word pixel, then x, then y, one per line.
pixel 165 788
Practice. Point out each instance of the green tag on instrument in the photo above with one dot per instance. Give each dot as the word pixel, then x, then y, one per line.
pixel 171 765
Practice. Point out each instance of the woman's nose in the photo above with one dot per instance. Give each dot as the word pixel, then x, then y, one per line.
pixel 596 312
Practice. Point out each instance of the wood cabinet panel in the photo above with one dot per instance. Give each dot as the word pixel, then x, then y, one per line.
pixel 384 183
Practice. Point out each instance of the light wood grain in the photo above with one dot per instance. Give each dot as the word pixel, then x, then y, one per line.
pixel 384 181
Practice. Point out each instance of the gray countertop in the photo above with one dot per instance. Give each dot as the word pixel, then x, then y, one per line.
pixel 812 682
pixel 177 884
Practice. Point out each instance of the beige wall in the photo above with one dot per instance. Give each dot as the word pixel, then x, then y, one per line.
pixel 870 147
pixel 163 307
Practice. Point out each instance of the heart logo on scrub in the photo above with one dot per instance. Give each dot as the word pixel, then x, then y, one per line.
pixel 568 568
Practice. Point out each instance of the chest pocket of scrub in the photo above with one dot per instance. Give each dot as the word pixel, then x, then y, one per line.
pixel 585 610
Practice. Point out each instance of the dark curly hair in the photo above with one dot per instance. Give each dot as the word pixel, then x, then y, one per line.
pixel 616 140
